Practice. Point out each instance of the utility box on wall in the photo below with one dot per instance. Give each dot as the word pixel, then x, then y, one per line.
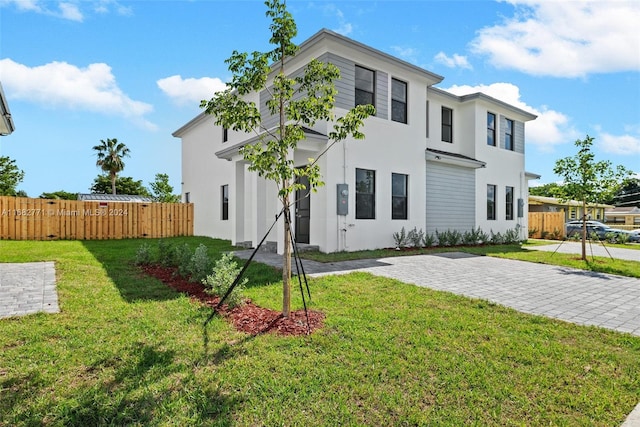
pixel 343 199
pixel 520 208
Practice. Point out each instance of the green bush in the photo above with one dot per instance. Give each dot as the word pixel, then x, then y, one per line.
pixel 428 240
pixel 400 238
pixel 416 237
pixel 143 255
pixel 224 274
pixel 183 258
pixel 200 265
pixel 166 253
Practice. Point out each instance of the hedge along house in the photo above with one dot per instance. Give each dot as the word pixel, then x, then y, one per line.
pixel 430 159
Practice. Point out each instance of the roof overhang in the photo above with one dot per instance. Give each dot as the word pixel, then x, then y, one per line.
pixel 453 159
pixel 313 141
pixel 531 175
pixel 6 122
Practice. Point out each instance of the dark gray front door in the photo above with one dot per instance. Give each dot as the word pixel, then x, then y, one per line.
pixel 303 212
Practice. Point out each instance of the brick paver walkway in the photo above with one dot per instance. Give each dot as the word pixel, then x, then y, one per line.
pixel 27 288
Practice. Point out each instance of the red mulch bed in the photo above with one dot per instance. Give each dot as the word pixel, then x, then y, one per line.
pixel 246 317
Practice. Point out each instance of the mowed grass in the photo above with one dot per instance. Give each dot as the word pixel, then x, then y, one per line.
pixel 127 350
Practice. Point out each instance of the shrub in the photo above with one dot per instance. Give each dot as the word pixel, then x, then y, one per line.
pixel 183 257
pixel 224 274
pixel 200 264
pixel 496 238
pixel 416 237
pixel 428 240
pixel 556 234
pixel 400 238
pixel 511 236
pixel 143 255
pixel 449 238
pixel 533 232
pixel 166 253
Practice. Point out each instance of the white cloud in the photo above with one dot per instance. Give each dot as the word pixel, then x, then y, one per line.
pixel 93 88
pixel 407 53
pixel 190 91
pixel 453 61
pixel 565 38
pixel 621 144
pixel 549 129
pixel 70 11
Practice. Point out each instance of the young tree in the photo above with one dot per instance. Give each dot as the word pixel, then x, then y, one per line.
pixel 10 176
pixel 110 154
pixel 162 191
pixel 587 180
pixel 298 102
pixel 102 184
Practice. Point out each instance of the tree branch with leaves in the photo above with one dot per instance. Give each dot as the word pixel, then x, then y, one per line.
pixel 298 102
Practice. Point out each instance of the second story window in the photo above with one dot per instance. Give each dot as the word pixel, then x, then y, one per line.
pixel 491 129
pixel 398 101
pixel 225 134
pixel 508 135
pixel 447 124
pixel 365 86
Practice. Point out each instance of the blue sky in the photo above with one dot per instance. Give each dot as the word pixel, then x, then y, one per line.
pixel 76 72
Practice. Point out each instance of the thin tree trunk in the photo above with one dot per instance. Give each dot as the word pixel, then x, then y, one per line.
pixel 113 184
pixel 286 262
pixel 584 230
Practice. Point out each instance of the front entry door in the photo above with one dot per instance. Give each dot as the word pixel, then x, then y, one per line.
pixel 303 211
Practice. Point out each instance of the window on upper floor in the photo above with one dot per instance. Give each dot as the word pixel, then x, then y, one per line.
pixel 508 135
pixel 365 194
pixel 399 195
pixel 224 202
pixel 365 86
pixel 187 197
pixel 447 124
pixel 508 199
pixel 491 129
pixel 491 202
pixel 225 134
pixel 398 101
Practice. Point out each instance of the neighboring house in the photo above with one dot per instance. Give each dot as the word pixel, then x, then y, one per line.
pixel 628 215
pixel 430 159
pixel 97 197
pixel 572 208
pixel 6 122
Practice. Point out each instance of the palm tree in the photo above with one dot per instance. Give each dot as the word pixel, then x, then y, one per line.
pixel 110 154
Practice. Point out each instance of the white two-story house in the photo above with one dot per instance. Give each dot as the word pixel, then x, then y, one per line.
pixel 430 160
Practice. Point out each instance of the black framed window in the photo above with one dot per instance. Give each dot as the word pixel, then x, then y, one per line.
pixel 491 201
pixel 365 86
pixel 491 129
pixel 365 194
pixel 224 196
pixel 398 101
pixel 399 195
pixel 508 199
pixel 447 124
pixel 508 135
pixel 187 197
pixel 225 134
pixel 427 120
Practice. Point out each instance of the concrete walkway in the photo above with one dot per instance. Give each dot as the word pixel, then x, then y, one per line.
pixel 593 249
pixel 27 288
pixel 576 296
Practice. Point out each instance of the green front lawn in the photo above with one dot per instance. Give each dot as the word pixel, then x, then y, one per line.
pixel 127 350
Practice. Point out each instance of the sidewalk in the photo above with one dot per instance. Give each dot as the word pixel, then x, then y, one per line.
pixel 593 249
pixel 27 288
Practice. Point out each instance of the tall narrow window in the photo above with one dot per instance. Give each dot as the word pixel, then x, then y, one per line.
pixel 398 101
pixel 365 194
pixel 491 201
pixel 508 199
pixel 508 135
pixel 491 129
pixel 427 120
pixel 187 197
pixel 365 86
pixel 447 124
pixel 224 195
pixel 225 134
pixel 399 190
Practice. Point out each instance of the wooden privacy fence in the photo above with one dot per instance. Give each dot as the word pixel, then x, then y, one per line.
pixel 546 224
pixel 24 218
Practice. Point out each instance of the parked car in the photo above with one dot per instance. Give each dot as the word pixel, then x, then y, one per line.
pixel 602 231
